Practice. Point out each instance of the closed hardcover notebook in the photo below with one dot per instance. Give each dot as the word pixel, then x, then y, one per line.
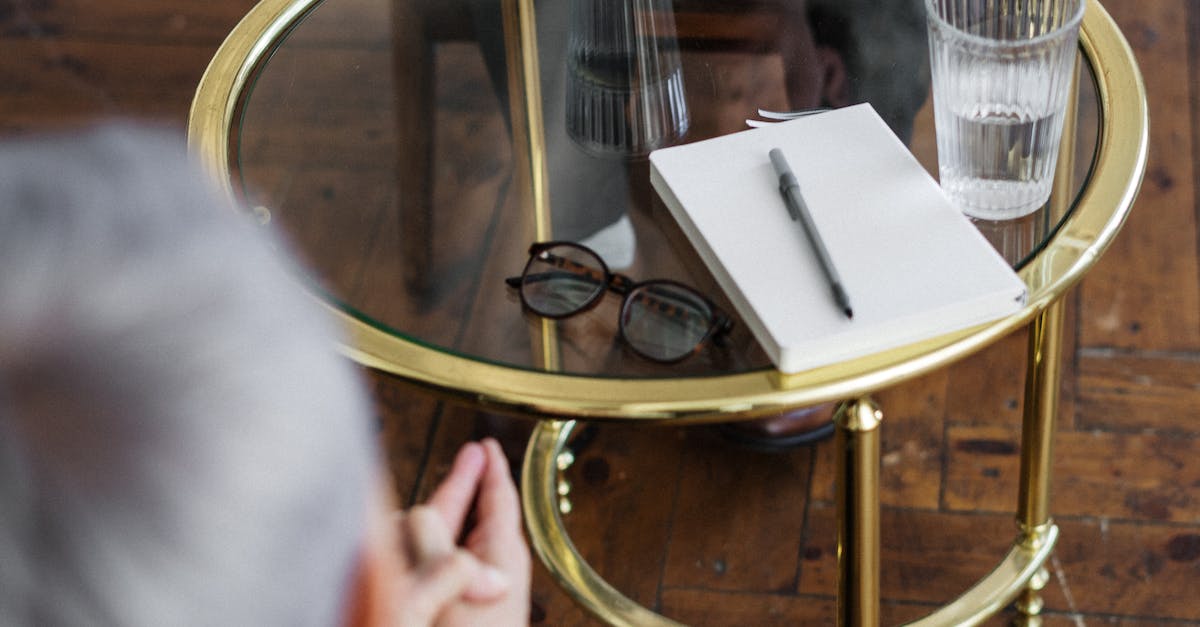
pixel 913 265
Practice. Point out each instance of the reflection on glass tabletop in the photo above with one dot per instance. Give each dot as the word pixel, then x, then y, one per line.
pixel 392 142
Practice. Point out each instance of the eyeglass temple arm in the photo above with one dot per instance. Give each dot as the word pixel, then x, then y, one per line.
pixel 619 283
pixel 722 325
pixel 516 281
pixel 616 282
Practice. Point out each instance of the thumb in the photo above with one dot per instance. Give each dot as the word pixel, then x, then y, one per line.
pixel 489 584
pixel 439 584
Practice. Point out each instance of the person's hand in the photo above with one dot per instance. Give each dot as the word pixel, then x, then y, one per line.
pixel 434 574
pixel 434 581
pixel 480 477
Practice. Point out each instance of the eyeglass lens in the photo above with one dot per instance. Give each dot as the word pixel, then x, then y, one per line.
pixel 665 321
pixel 561 280
pixel 661 320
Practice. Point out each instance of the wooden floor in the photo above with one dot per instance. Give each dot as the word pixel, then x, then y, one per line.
pixel 711 534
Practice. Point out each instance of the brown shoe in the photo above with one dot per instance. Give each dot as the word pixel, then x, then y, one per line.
pixel 790 429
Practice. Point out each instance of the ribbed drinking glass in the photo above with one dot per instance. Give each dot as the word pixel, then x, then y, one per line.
pixel 624 78
pixel 1001 72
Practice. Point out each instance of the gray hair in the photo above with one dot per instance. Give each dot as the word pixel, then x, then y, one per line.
pixel 179 443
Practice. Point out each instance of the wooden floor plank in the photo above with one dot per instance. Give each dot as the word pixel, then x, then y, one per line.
pixel 195 21
pixel 1142 476
pixel 48 83
pixel 1140 570
pixel 911 449
pixel 739 521
pixel 928 557
pixel 406 421
pixel 1144 293
pixel 989 386
pixel 624 482
pixel 697 607
pixel 1133 393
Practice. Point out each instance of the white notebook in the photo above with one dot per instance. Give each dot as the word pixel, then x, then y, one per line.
pixel 913 265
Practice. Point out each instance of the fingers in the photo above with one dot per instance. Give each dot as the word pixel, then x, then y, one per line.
pixel 493 569
pixel 455 494
pixel 428 542
pixel 426 536
pixel 498 502
pixel 497 537
pixel 439 583
pixel 439 572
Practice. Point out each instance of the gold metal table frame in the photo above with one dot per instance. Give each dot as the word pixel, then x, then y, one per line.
pixel 1097 217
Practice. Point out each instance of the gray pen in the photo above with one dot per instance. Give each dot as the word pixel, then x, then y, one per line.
pixel 790 188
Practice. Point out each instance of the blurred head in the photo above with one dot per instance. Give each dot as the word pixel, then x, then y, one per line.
pixel 843 52
pixel 178 442
pixel 882 45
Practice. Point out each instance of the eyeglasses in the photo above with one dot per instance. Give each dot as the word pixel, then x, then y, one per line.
pixel 661 320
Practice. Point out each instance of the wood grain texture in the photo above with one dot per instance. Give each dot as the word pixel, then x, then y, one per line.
pixel 1144 293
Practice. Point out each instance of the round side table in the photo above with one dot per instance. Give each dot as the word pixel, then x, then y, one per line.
pixel 302 83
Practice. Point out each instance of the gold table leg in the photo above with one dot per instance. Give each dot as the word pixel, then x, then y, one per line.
pixel 856 442
pixel 1037 439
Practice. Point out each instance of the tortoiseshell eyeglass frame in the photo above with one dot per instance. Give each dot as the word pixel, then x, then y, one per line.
pixel 719 324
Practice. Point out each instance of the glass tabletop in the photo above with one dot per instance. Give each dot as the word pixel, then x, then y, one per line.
pixel 397 145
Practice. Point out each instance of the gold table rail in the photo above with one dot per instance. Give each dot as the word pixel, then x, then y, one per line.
pixel 1099 212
